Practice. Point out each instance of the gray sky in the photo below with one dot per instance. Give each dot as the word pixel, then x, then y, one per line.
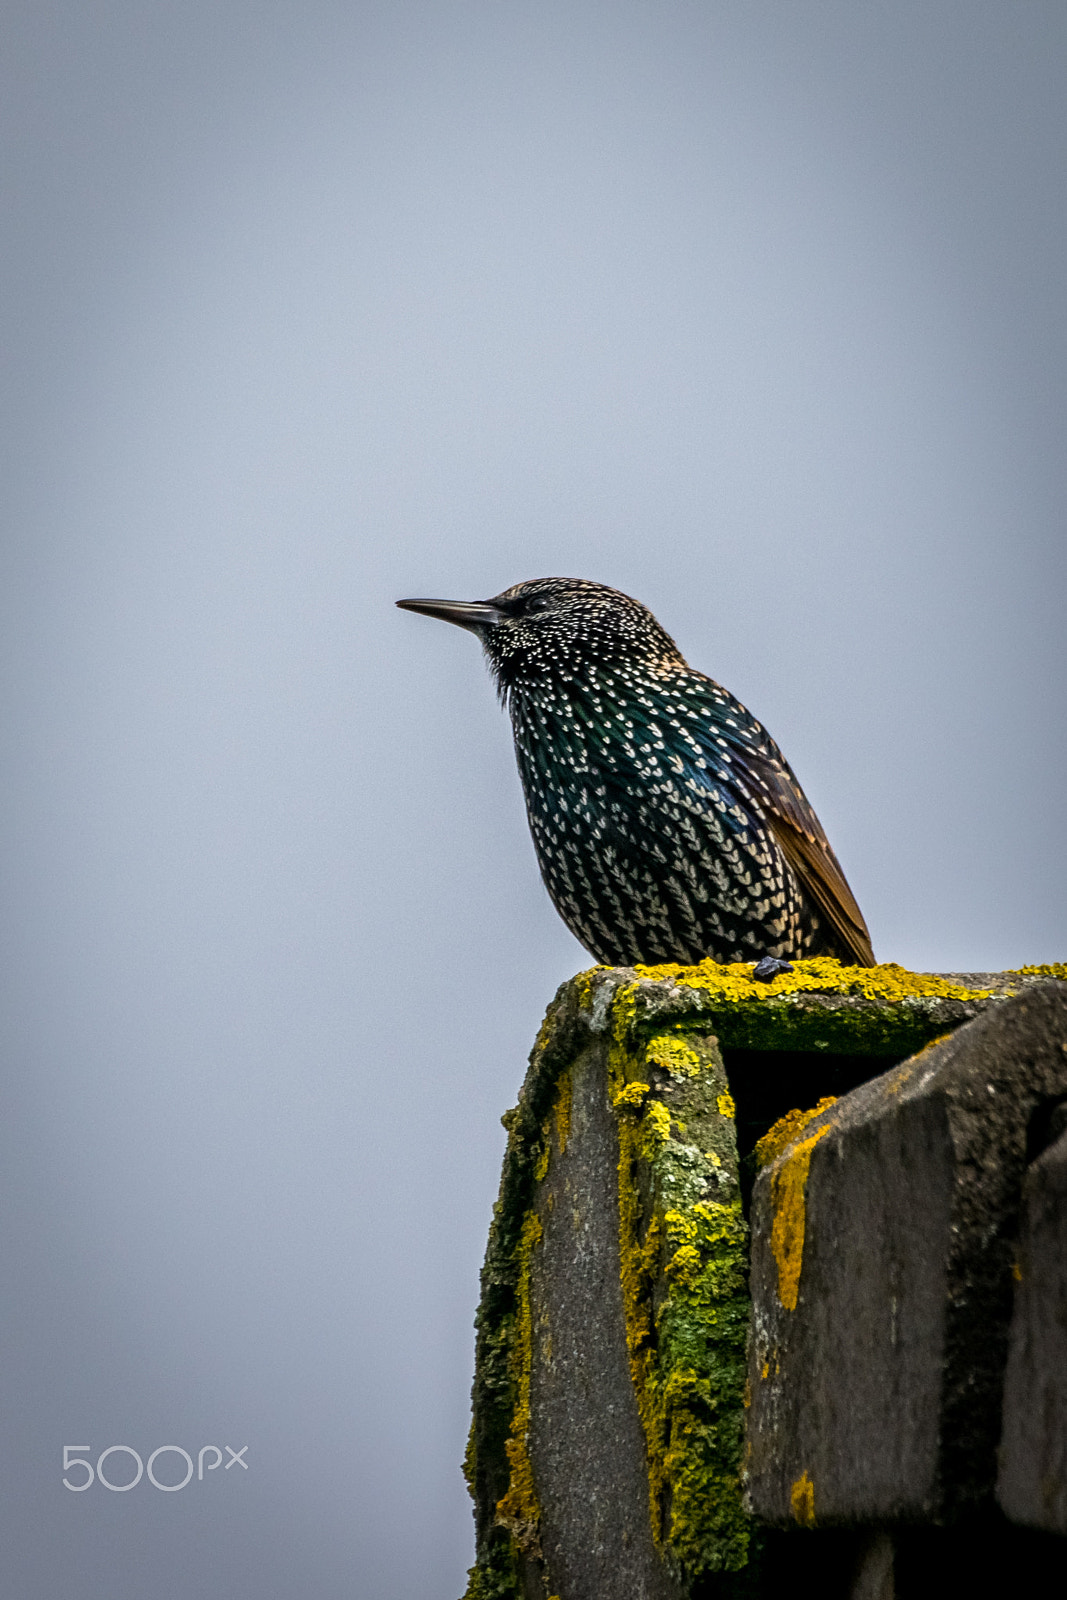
pixel 756 311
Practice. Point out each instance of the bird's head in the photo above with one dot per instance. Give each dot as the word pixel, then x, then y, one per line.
pixel 554 629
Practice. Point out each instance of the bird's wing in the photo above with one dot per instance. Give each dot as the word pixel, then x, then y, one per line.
pixel 754 758
pixel 802 841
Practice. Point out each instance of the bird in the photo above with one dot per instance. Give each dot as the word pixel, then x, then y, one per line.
pixel 667 824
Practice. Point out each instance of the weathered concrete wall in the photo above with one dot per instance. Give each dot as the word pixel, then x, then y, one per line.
pixel 884 1238
pixel 585 1440
pixel 608 1403
pixel 1032 1486
pixel 608 1438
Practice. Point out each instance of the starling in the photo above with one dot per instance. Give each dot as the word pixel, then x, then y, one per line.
pixel 667 824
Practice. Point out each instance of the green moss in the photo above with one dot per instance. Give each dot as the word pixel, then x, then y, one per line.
pixel 470 1459
pixel 683 1261
pixel 517 1509
pixel 820 1005
pixel 494 1575
pixel 499 1475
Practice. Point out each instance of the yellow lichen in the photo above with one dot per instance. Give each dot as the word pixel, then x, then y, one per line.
pixel 789 1180
pixel 564 1097
pixel 624 1011
pixel 562 1116
pixel 771 1366
pixel 518 1510
pixel 726 1107
pixel 1046 969
pixel 929 1045
pixel 655 1128
pixel 673 1055
pixel 892 1011
pixel 632 1094
pixel 786 1129
pixel 686 1317
pixel 718 1218
pixel 802 1500
pixel 685 1264
pixel 636 1265
pixel 680 1228
pixel 821 975
pixel 584 984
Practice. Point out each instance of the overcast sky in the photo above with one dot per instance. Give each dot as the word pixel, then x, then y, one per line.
pixel 754 310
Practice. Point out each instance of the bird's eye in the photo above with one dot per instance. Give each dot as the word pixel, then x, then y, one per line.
pixel 540 602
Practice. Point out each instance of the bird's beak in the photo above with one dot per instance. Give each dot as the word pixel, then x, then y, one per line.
pixel 472 614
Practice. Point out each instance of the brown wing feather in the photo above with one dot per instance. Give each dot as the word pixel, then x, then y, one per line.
pixel 805 846
pixel 820 875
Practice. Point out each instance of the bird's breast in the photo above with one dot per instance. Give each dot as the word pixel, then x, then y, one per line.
pixel 620 780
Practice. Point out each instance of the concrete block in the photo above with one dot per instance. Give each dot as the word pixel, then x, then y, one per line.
pixel 609 1398
pixel 883 1244
pixel 608 1402
pixel 1032 1484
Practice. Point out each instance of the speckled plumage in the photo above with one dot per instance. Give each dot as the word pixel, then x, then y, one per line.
pixel 667 824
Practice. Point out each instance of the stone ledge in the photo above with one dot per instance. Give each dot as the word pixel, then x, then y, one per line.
pixel 883 1246
pixel 605 1454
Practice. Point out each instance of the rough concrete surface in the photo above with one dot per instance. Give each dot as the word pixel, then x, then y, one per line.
pixel 878 1398
pixel 1032 1486
pixel 586 1442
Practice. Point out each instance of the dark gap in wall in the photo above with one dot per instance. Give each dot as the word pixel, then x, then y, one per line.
pixel 766 1084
